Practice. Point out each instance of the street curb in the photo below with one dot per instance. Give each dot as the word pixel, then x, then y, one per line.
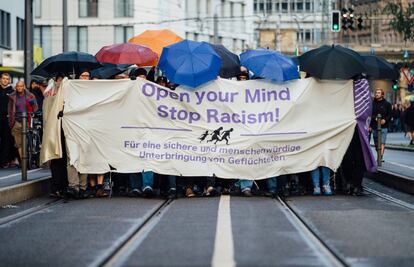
pixel 24 191
pixel 394 180
pixel 400 148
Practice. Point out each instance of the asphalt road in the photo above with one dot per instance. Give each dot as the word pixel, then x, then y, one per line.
pixel 226 231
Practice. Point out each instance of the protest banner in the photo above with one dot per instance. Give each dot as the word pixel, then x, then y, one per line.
pixel 251 129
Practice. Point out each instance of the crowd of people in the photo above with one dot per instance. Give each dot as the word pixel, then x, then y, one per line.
pixel 67 182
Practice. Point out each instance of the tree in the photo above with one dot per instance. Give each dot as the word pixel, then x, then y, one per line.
pixel 402 19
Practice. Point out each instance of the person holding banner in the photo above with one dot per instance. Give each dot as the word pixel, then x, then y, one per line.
pixel 315 174
pixel 77 187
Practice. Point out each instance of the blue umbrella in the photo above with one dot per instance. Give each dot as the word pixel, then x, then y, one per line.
pixel 189 63
pixel 270 65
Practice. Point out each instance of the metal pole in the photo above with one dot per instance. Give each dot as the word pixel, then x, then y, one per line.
pixel 379 142
pixel 24 145
pixel 28 40
pixel 65 26
pixel 215 19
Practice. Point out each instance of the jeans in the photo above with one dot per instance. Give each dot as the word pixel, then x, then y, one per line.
pixel 315 176
pixel 137 182
pixel 272 184
pixel 245 184
pixel 172 181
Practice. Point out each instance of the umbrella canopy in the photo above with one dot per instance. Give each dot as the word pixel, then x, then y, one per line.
pixel 379 68
pixel 156 40
pixel 108 70
pixel 270 64
pixel 190 63
pixel 332 62
pixel 126 54
pixel 67 62
pixel 230 63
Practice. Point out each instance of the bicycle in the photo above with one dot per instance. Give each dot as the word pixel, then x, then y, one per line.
pixel 34 140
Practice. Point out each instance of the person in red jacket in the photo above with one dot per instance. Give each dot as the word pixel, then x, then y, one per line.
pixel 21 100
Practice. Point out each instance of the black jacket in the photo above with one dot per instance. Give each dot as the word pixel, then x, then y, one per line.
pixel 4 100
pixel 382 107
pixel 409 116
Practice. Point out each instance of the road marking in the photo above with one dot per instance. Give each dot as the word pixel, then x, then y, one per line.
pixel 400 165
pixel 223 254
pixel 17 174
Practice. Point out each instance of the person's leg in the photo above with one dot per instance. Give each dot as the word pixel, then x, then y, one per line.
pixel 17 134
pixel 210 187
pixel 315 180
pixel 246 187
pixel 4 142
pixel 384 133
pixel 172 186
pixel 272 185
pixel 326 182
pixel 147 183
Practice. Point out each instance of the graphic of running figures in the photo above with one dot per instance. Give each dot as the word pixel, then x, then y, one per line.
pixel 226 135
pixel 203 136
pixel 215 135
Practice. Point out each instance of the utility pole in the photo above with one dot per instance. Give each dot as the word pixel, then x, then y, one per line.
pixel 215 25
pixel 28 40
pixel 65 26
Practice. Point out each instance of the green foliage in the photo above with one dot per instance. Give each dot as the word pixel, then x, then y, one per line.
pixel 402 20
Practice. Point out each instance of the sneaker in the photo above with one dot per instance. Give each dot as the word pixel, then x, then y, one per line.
pixel 83 194
pixel 357 191
pixel 101 192
pixel 147 192
pixel 316 191
pixel 189 192
pixel 247 192
pixel 327 190
pixel 172 193
pixel 135 193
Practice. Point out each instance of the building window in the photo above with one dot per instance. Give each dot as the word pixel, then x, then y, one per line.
pixel 20 33
pixel 255 5
pixel 231 9
pixel 308 5
pixel 123 33
pixel 88 8
pixel 42 37
pixel 78 39
pixel 269 6
pixel 5 29
pixel 299 6
pixel 261 6
pixel 124 8
pixel 284 7
pixel 37 8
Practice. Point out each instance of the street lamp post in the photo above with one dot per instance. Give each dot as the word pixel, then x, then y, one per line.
pixel 28 40
pixel 65 26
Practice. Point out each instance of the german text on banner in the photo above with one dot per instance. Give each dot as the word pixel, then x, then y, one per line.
pixel 231 129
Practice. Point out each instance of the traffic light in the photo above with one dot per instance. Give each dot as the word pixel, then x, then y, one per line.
pixel 395 85
pixel 351 19
pixel 335 21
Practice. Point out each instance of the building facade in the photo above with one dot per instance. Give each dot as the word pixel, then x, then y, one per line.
pixel 95 23
pixel 11 26
pixel 226 22
pixel 292 25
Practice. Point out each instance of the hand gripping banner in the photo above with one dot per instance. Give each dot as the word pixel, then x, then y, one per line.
pixel 232 129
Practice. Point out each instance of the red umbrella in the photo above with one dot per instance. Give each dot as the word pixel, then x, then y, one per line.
pixel 127 54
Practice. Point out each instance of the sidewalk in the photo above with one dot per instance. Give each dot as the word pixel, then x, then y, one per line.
pixel 13 189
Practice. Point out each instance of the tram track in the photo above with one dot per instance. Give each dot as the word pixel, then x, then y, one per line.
pixel 122 249
pixel 389 198
pixel 25 213
pixel 321 248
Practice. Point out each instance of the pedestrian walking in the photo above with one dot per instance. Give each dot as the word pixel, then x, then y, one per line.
pixel 409 122
pixel 20 101
pixel 5 132
pixel 382 107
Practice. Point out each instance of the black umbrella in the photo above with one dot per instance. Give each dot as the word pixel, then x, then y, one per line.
pixel 67 62
pixel 379 68
pixel 230 63
pixel 332 62
pixel 108 70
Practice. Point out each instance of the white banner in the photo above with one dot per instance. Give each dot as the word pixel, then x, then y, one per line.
pixel 232 129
